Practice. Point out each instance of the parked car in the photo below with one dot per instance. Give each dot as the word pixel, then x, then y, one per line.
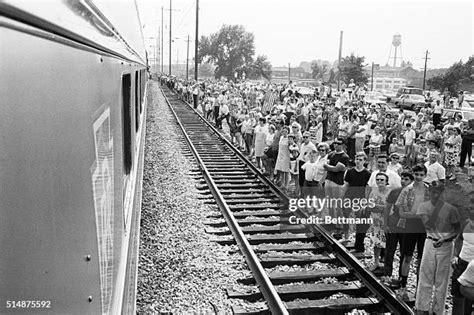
pixel 469 99
pixel 466 114
pixel 374 98
pixel 410 101
pixel 408 90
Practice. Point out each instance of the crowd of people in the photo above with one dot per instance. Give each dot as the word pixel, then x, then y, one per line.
pixel 332 144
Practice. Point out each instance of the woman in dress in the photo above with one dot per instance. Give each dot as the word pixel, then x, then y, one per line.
pixel 294 153
pixel 261 132
pixel 379 196
pixel 374 147
pixel 452 150
pixel 282 166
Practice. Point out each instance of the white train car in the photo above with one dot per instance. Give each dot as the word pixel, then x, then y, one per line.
pixel 72 132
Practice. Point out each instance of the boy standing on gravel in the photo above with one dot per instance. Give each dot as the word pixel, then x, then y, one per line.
pixel 409 201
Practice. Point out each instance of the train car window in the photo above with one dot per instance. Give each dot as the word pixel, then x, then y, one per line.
pixel 137 102
pixel 142 82
pixel 127 123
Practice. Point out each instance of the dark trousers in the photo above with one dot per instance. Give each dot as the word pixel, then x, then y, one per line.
pixel 361 230
pixel 216 114
pixel 466 149
pixel 436 119
pixel 221 118
pixel 351 148
pixel 393 239
pixel 196 101
pixel 313 188
pixel 301 175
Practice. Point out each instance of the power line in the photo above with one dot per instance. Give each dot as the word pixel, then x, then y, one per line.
pixel 178 29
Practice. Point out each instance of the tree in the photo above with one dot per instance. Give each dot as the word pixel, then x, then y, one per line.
pixel 454 77
pixel 204 70
pixel 259 68
pixel 318 71
pixel 231 50
pixel 332 76
pixel 352 67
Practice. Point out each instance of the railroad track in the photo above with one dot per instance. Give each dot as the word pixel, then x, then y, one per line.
pixel 256 220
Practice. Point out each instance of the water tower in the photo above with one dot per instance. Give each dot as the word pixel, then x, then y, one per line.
pixel 396 44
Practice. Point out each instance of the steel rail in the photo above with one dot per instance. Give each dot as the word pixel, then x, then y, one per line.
pixel 393 304
pixel 275 304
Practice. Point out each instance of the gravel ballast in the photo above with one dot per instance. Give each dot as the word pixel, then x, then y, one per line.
pixel 180 270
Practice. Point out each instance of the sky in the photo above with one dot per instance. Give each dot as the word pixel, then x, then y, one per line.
pixel 305 30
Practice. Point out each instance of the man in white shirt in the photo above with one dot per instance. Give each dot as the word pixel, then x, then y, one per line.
pixel 361 135
pixel 223 114
pixel 437 111
pixel 436 172
pixel 409 136
pixel 196 95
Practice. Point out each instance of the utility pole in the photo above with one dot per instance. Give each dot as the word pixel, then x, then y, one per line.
pixel 187 60
pixel 196 41
pixel 154 56
pixel 339 63
pixel 177 62
pixel 372 85
pixel 162 48
pixel 171 14
pixel 289 73
pixel 159 51
pixel 424 72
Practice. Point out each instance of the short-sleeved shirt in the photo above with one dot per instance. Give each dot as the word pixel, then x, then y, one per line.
pixel 444 225
pixel 438 109
pixel 410 136
pixel 333 159
pixel 435 172
pixel 409 201
pixel 357 181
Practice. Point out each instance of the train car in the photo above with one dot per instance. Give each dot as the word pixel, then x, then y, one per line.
pixel 72 133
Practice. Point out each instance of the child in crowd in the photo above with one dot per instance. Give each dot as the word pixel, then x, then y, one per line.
pixel 421 151
pixel 294 153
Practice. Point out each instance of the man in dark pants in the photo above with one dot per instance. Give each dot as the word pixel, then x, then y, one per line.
pixel 196 96
pixel 355 181
pixel 394 234
pixel 466 145
pixel 437 111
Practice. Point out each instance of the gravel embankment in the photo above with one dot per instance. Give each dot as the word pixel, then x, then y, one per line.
pixel 180 269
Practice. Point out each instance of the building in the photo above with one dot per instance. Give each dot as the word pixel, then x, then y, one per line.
pixel 391 84
pixel 297 75
pixel 392 78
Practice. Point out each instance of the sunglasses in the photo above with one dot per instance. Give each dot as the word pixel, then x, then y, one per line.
pixel 380 180
pixel 305 137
